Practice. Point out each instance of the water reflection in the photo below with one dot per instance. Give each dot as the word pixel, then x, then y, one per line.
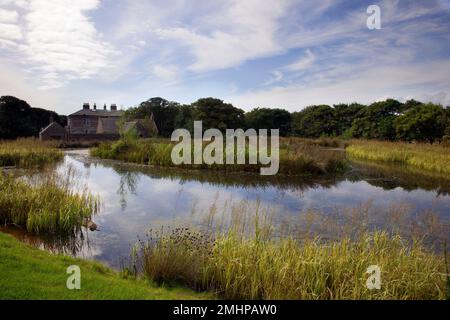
pixel 135 198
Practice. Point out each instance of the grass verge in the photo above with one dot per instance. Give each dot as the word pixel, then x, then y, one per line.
pixel 429 157
pixel 29 273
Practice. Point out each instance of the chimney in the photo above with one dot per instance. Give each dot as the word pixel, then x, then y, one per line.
pixel 113 107
pixel 95 106
pixel 104 106
pixel 86 106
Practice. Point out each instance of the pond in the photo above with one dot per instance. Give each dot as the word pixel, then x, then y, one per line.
pixel 135 198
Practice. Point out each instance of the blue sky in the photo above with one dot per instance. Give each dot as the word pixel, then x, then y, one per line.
pixel 58 54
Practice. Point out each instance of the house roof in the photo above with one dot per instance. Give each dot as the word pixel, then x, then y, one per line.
pixel 98 112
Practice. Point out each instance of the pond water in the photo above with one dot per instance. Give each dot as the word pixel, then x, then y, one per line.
pixel 135 198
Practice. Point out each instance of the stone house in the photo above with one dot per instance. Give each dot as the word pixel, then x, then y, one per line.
pixel 97 124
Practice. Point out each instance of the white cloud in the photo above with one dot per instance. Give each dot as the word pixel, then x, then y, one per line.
pixel 400 82
pixel 277 76
pixel 8 16
pixel 231 34
pixel 303 63
pixel 59 41
pixel 167 73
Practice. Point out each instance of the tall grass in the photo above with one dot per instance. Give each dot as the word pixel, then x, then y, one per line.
pixel 419 155
pixel 246 261
pixel 47 207
pixel 296 157
pixel 28 152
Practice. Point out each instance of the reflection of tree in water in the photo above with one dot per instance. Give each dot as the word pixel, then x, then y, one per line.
pixel 127 184
pixel 390 176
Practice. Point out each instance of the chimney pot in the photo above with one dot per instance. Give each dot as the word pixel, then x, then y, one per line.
pixel 86 106
pixel 95 106
pixel 104 106
pixel 113 107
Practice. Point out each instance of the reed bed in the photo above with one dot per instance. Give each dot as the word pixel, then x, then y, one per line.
pixel 49 206
pixel 429 157
pixel 28 152
pixel 296 157
pixel 246 260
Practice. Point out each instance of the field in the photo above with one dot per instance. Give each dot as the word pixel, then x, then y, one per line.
pixel 433 158
pixel 29 273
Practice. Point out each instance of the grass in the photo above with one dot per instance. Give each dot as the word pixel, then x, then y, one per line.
pixel 28 152
pixel 247 260
pixel 47 207
pixel 30 273
pixel 433 158
pixel 296 156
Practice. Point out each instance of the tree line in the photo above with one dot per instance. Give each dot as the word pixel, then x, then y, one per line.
pixel 19 119
pixel 383 120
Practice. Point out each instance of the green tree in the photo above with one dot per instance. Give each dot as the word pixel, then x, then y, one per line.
pixel 344 114
pixel 314 121
pixel 184 118
pixel 423 122
pixel 164 113
pixel 19 119
pixel 376 121
pixel 214 113
pixel 266 118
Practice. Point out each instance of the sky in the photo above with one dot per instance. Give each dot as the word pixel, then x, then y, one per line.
pixel 58 54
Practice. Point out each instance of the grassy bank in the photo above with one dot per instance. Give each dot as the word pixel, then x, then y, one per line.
pixel 248 261
pixel 435 158
pixel 49 207
pixel 29 152
pixel 296 156
pixel 29 273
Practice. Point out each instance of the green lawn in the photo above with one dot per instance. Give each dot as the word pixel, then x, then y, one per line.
pixel 30 273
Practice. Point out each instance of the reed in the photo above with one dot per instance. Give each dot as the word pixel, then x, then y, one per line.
pixel 429 157
pixel 28 152
pixel 49 206
pixel 296 157
pixel 246 261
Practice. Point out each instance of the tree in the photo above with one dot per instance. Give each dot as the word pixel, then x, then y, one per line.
pixel 314 121
pixel 184 118
pixel 214 113
pixel 265 118
pixel 164 113
pixel 376 121
pixel 344 115
pixel 19 119
pixel 423 122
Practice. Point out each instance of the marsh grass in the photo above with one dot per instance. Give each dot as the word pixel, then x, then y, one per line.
pixel 431 157
pixel 28 152
pixel 250 259
pixel 296 156
pixel 49 206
